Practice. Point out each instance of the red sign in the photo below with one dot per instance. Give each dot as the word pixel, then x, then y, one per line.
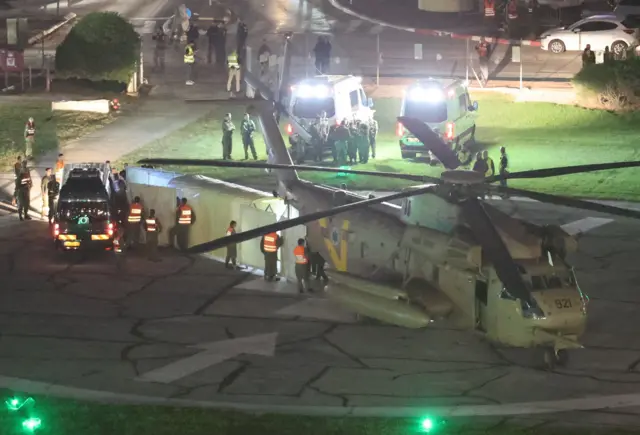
pixel 11 60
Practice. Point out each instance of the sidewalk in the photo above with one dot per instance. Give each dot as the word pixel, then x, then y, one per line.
pixel 153 119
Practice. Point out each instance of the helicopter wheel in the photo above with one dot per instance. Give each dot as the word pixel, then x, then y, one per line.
pixel 550 359
pixel 553 358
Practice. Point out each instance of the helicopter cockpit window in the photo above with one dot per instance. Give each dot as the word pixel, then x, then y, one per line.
pixel 544 282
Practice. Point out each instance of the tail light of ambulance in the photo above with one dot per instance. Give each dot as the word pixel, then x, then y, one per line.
pixel 56 230
pixel 110 229
pixel 289 129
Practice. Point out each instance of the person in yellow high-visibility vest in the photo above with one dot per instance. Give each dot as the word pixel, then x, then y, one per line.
pixel 233 67
pixel 189 61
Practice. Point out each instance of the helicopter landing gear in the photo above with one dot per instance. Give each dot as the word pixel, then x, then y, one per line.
pixel 555 358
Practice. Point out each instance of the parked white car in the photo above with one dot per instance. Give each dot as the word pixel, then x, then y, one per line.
pixel 599 31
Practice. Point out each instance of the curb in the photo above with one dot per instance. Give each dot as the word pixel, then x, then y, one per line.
pixel 37 38
pixel 430 32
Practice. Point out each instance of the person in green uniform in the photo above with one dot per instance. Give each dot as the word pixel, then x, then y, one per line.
pixel 352 146
pixel 362 139
pixel 341 138
pixel 316 139
pixel 247 128
pixel 227 136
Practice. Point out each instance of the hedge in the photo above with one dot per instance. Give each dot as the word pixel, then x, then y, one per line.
pixel 102 46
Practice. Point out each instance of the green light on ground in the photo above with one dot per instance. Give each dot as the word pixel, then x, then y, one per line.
pixel 15 403
pixel 31 424
pixel 427 425
pixel 345 168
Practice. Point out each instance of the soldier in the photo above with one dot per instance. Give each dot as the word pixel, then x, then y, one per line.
pixel 152 227
pixel 53 189
pixel 301 256
pixel 247 128
pixel 44 183
pixel 341 138
pixel 160 49
pixel 232 249
pixel 269 246
pixel 316 139
pixel 352 145
pixel 24 192
pixel 362 140
pixel 503 166
pixel 227 137
pixel 373 134
pixel 29 137
pixel 491 167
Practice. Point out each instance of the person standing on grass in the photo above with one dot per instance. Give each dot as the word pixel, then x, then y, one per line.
pixel 503 166
pixel 227 136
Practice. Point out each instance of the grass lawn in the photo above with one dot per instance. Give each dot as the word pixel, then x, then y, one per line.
pixel 53 128
pixel 536 135
pixel 66 417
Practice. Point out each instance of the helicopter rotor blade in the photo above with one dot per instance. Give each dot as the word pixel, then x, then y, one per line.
pixel 568 202
pixel 494 247
pixel 431 141
pixel 563 170
pixel 304 219
pixel 231 164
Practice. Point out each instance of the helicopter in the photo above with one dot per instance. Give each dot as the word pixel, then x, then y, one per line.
pixel 442 253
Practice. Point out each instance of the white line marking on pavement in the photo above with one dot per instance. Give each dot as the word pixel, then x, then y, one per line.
pixel 583 225
pixel 523 408
pixel 353 25
pixel 214 353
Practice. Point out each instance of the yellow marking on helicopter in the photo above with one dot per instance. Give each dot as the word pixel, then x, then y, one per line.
pixel 339 260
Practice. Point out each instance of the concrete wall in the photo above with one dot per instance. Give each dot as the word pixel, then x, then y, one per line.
pixel 215 204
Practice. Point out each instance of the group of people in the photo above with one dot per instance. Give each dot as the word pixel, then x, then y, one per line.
pixel 247 128
pixel 351 141
pixel 589 56
pixel 49 188
pixel 128 233
pixel 483 163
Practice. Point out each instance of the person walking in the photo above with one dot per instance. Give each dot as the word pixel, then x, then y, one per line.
pixel 213 36
pixel 53 190
pixel 24 193
pixel 373 135
pixel 503 167
pixel 269 246
pixel 134 219
pixel 44 185
pixel 232 249
pixel 160 49
pixel 119 248
pixel 190 62
pixel 233 72
pixel 247 128
pixel 362 140
pixel 480 165
pixel 301 256
pixel 152 228
pixel 588 56
pixel 342 137
pixel 227 137
pixel 483 58
pixel 491 167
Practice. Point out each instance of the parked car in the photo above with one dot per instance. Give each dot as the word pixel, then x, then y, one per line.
pixel 599 31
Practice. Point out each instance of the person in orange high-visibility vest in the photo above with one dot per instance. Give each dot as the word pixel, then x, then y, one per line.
pixel 232 249
pixel 269 246
pixel 489 8
pixel 185 217
pixel 152 228
pixel 301 256
pixel 134 219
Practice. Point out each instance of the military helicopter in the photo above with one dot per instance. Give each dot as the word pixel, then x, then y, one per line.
pixel 452 254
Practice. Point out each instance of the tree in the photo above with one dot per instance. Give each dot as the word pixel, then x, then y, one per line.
pixel 102 46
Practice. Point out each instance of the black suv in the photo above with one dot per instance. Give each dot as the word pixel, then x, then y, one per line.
pixel 83 216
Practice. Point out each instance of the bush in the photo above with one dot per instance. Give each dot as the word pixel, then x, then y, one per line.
pixel 102 46
pixel 612 86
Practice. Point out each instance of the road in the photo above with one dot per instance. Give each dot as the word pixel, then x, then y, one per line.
pixel 186 329
pixel 355 43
